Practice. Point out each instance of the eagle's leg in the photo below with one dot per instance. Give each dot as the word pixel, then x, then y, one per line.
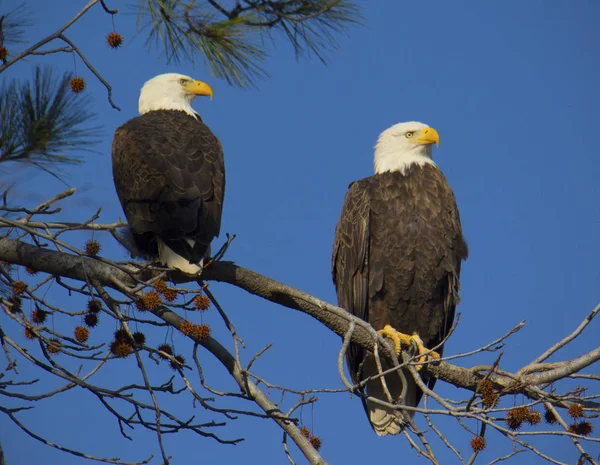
pixel 400 339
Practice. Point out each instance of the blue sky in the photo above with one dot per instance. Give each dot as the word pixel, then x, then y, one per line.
pixel 512 88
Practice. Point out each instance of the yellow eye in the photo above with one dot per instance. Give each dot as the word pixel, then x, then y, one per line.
pixel 409 134
pixel 183 82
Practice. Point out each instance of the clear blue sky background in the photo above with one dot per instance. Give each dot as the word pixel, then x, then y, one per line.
pixel 512 88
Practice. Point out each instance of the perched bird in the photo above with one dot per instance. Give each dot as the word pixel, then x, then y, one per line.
pixel 396 262
pixel 169 174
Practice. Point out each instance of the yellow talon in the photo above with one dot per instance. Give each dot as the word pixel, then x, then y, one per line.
pixel 400 338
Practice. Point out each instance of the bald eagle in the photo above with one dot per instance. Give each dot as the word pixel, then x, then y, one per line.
pixel 169 174
pixel 396 262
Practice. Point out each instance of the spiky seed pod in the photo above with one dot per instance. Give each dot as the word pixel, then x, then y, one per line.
pixel 139 338
pixel 167 349
pixel 478 444
pixel 305 431
pixel 15 304
pixel 160 285
pixel 94 306
pixel 3 53
pixel 121 336
pixel 178 362
pixel 54 346
pixel 515 417
pixel 114 40
pixel 549 417
pixel 29 334
pixel 201 332
pixel 91 320
pixel 575 410
pixel 513 424
pixel 489 397
pixel 584 428
pixel 121 349
pixel 170 294
pixel 77 84
pixel 534 417
pixel 92 248
pixel 315 441
pixel 38 316
pixel 82 334
pixel 152 300
pixel 140 304
pixel 490 400
pixel 201 302
pixel 485 386
pixel 187 327
pixel 31 271
pixel 522 413
pixel 19 287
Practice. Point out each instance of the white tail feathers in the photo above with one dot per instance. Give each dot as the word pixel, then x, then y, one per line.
pixel 386 420
pixel 172 260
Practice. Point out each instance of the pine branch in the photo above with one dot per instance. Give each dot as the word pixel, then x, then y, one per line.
pixel 309 25
pixel 13 25
pixel 231 42
pixel 43 123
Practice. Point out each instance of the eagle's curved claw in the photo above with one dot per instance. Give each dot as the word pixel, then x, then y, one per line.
pixel 413 341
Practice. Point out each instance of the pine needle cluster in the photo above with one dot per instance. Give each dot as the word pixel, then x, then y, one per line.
pixel 234 48
pixel 43 123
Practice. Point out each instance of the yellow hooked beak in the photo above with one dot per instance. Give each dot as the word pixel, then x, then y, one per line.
pixel 428 136
pixel 199 88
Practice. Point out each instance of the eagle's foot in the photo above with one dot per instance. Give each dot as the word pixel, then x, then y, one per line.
pixel 414 341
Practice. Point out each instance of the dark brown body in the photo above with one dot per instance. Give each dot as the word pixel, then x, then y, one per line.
pixel 397 256
pixel 169 175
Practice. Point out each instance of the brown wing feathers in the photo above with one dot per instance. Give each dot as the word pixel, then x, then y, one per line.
pixel 170 178
pixel 407 226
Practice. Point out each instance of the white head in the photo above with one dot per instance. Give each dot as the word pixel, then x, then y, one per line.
pixel 404 144
pixel 172 91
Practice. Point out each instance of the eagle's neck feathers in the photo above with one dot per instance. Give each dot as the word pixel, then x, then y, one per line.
pixel 168 103
pixel 389 158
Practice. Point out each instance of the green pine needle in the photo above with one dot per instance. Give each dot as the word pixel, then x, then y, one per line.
pixel 42 122
pixel 13 24
pixel 231 42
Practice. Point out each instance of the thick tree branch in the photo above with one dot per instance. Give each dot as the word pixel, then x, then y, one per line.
pixel 335 318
